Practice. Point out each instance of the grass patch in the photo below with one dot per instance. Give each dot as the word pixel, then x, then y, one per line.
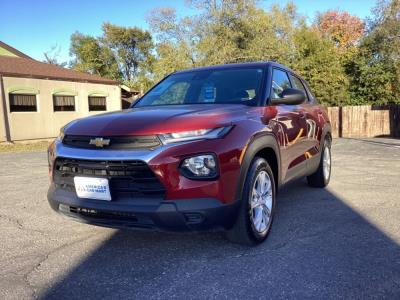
pixel 24 147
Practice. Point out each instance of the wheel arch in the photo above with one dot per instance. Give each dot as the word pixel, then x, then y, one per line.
pixel 264 146
pixel 326 132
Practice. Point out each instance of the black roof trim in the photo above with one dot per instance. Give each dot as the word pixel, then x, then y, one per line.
pixel 260 64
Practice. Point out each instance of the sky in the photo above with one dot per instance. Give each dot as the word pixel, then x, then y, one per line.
pixel 36 26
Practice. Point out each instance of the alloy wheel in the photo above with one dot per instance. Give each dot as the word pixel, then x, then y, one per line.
pixel 326 163
pixel 261 202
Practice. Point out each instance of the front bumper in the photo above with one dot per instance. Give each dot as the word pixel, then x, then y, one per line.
pixel 158 214
pixel 164 162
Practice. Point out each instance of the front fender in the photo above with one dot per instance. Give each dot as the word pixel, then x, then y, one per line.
pixel 256 144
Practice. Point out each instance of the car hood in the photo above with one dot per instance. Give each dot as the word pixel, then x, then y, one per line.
pixel 158 119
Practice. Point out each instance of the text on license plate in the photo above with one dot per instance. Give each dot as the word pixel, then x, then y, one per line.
pixel 92 188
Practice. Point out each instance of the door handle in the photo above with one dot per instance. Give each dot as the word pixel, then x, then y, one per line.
pixel 302 115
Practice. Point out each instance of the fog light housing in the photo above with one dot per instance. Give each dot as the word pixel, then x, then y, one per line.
pixel 200 167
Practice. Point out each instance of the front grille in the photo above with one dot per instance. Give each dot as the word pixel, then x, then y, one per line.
pixel 115 142
pixel 130 179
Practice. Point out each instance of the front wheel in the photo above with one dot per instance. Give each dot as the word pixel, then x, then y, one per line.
pixel 258 205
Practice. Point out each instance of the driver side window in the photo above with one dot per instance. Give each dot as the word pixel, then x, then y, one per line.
pixel 280 81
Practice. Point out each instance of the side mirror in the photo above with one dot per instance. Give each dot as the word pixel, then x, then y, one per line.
pixel 290 96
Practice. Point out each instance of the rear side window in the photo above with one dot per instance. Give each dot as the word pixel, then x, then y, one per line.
pixel 280 81
pixel 297 84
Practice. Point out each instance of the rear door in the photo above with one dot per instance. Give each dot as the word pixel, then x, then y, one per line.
pixel 290 127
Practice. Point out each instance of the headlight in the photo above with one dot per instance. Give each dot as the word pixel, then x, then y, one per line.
pixel 51 157
pixel 194 135
pixel 200 166
pixel 61 135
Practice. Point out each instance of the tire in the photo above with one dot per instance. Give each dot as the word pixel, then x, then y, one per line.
pixel 247 230
pixel 321 178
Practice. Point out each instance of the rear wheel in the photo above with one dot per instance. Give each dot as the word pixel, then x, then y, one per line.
pixel 322 175
pixel 257 208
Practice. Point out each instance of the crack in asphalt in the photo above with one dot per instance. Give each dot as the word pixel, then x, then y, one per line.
pixel 46 256
pixel 19 225
pixel 38 269
pixel 25 276
pixel 246 254
pixel 12 220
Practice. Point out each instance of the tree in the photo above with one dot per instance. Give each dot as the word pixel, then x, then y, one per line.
pixel 222 32
pixel 375 73
pixel 227 26
pixel 177 41
pixel 342 28
pixel 344 31
pixel 343 62
pixel 131 47
pixel 227 31
pixel 318 62
pixel 121 53
pixel 51 57
pixel 89 55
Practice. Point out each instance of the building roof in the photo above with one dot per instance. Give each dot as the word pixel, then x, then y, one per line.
pixel 20 65
pixel 128 89
pixel 11 51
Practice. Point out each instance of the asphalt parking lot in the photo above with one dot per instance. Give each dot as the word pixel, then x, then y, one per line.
pixel 341 242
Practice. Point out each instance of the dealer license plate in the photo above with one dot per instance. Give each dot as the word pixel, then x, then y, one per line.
pixel 92 188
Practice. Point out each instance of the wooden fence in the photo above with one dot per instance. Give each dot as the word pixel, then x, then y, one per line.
pixel 365 121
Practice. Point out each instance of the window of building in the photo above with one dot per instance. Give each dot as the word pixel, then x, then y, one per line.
pixel 97 103
pixel 63 103
pixel 22 102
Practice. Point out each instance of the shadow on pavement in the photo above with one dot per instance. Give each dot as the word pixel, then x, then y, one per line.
pixel 318 247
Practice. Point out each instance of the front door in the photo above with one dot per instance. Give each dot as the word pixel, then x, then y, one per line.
pixel 314 121
pixel 290 126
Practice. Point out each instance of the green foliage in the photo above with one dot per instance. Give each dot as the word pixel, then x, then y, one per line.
pixel 121 53
pixel 176 47
pixel 130 46
pixel 238 31
pixel 89 55
pixel 342 28
pixel 371 81
pixel 343 63
pixel 375 72
pixel 318 62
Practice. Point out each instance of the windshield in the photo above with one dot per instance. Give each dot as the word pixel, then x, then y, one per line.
pixel 207 86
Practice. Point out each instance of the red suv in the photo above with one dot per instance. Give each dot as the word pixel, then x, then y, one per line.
pixel 204 148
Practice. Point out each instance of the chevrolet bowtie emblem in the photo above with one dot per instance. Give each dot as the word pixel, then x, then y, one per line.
pixel 99 142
